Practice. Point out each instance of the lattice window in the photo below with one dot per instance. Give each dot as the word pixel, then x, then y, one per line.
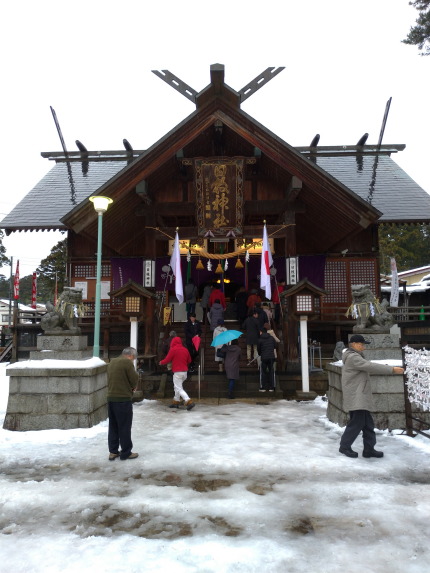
pixel 363 273
pixel 106 270
pixel 90 271
pixel 336 282
pixel 132 303
pixel 304 303
pixel 84 271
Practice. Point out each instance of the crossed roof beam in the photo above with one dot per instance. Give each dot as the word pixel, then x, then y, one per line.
pixel 247 91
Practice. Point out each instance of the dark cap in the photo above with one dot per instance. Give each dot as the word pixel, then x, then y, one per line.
pixel 358 338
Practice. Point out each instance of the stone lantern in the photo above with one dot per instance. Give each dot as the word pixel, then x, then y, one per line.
pixel 133 297
pixel 305 303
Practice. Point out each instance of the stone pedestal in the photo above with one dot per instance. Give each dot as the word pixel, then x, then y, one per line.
pixel 44 396
pixel 388 391
pixel 61 347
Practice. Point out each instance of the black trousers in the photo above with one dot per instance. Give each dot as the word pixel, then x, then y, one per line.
pixel 359 421
pixel 119 433
pixel 267 374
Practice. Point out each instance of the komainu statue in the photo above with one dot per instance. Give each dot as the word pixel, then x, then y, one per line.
pixel 63 317
pixel 371 315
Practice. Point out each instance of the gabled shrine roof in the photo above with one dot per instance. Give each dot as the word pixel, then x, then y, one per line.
pixel 362 184
pixel 377 179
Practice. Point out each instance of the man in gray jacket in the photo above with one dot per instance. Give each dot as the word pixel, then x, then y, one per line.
pixel 357 397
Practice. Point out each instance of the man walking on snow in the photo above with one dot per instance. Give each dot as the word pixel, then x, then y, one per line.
pixel 358 399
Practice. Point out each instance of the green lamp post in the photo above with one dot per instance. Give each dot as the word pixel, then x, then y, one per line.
pixel 101 205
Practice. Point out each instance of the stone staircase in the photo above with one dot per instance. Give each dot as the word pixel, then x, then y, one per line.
pixel 210 383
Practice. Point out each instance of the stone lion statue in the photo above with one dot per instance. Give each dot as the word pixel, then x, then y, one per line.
pixel 371 315
pixel 63 317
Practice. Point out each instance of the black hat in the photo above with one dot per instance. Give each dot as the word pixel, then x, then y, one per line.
pixel 358 338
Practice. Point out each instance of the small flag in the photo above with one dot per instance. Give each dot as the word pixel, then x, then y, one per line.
pixel 394 297
pixel 16 283
pixel 175 264
pixel 34 291
pixel 266 263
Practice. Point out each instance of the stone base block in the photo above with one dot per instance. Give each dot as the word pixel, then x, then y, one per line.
pixel 56 398
pixel 60 354
pixel 62 342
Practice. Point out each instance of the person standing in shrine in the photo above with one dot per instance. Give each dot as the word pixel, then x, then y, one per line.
pixel 241 309
pixel 266 350
pixel 253 298
pixel 192 328
pixel 231 364
pixel 217 295
pixel 280 287
pixel 204 301
pixel 252 330
pixel 190 294
pixel 215 314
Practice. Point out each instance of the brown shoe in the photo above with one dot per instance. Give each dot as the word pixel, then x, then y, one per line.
pixel 113 457
pixel 189 405
pixel 132 456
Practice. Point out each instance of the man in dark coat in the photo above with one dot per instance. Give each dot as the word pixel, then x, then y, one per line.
pixel 266 350
pixel 252 329
pixel 122 381
pixel 192 328
pixel 231 364
pixel 358 399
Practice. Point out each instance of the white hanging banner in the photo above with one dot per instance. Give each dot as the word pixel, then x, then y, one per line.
pixel 394 298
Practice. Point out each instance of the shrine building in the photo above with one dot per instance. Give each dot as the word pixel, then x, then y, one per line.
pixel 217 177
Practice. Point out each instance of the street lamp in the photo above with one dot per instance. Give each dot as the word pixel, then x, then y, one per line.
pixel 101 205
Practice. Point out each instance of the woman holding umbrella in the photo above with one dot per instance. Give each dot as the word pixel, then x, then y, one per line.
pixel 220 328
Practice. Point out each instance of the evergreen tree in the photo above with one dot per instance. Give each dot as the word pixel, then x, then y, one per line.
pixel 52 270
pixel 4 287
pixel 3 258
pixel 419 35
pixel 408 244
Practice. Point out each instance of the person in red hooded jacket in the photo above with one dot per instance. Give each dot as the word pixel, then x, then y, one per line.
pixel 180 358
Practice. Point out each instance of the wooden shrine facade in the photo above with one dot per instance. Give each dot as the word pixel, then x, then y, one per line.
pixel 216 177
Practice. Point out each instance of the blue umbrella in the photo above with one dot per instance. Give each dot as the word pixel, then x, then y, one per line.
pixel 225 337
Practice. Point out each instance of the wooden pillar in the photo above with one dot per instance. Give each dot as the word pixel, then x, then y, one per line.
pixel 150 327
pixel 291 351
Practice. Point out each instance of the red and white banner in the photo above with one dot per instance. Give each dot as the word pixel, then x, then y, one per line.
pixel 175 264
pixel 34 291
pixel 266 263
pixel 16 283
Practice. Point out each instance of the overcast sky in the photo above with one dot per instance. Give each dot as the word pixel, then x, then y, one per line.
pixel 92 62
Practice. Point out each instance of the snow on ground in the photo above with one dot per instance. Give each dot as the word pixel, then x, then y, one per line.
pixel 237 487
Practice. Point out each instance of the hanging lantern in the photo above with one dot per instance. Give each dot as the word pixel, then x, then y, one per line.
pixel 219 270
pixel 239 264
pixel 199 265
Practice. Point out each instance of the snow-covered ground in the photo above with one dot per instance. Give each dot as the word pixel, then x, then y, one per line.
pixel 236 487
